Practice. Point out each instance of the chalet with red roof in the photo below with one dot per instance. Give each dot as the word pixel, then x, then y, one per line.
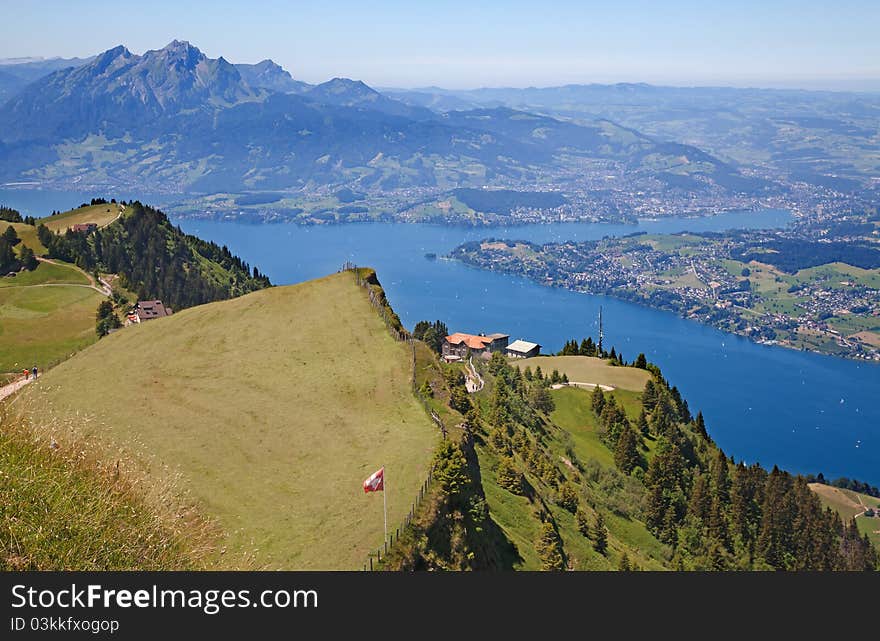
pixel 148 310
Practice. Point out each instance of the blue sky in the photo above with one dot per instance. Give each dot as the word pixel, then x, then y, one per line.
pixel 467 44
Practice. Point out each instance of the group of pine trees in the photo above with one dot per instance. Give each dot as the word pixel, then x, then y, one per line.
pixel 588 348
pixel 106 318
pixel 9 260
pixel 11 215
pixel 513 424
pixel 712 513
pixel 432 334
pixel 554 377
pixel 717 515
pixel 846 484
pixel 154 259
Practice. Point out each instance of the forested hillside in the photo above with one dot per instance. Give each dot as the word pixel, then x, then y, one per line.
pixel 155 259
pixel 548 476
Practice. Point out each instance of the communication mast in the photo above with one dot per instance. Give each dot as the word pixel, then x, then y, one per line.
pixel 601 332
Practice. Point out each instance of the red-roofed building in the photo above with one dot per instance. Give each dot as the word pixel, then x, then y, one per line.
pixel 458 345
pixel 148 310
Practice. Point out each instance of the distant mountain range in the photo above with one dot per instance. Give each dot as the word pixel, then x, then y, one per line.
pixel 175 120
pixel 827 138
pixel 17 73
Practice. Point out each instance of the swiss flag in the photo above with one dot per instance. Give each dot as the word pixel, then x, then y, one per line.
pixel 376 482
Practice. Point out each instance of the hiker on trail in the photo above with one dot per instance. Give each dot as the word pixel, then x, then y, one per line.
pixel 26 374
pixel 34 372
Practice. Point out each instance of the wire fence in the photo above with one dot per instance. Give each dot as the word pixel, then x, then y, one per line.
pixel 401 336
pixel 375 558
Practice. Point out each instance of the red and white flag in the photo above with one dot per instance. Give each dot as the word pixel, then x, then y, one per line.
pixel 376 482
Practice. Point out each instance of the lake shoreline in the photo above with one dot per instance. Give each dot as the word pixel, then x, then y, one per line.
pixel 677 312
pixel 800 410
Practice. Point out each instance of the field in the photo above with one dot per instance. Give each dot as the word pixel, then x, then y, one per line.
pixel 848 503
pixel 43 320
pixel 272 408
pixel 48 314
pixel 101 215
pixel 47 273
pixel 586 369
pixel 28 236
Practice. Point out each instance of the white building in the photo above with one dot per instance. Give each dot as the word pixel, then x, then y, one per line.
pixel 522 349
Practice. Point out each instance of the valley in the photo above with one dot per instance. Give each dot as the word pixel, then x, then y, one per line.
pixel 251 143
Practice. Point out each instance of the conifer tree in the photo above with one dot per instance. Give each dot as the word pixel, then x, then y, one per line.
pixel 10 235
pixel 508 476
pixel 583 523
pixel 588 348
pixel 626 451
pixel 550 549
pixel 598 400
pixel 649 396
pixel 642 423
pixel 498 414
pixel 540 399
pixel 701 500
pixel 600 534
pixel 568 497
pixel 700 424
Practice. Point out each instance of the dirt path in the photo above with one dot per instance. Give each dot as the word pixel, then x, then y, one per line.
pixel 104 289
pixel 605 388
pixel 474 382
pixel 13 387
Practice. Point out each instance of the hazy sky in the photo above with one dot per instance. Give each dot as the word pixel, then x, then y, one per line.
pixel 466 44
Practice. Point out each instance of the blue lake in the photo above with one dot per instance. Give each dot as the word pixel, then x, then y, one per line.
pixel 804 412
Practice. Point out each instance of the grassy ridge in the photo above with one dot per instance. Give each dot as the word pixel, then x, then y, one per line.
pixel 101 215
pixel 273 408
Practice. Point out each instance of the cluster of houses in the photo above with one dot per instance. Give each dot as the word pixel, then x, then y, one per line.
pixel 459 346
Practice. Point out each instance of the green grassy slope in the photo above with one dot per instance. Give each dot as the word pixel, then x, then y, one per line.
pixel 47 273
pixel 43 320
pixel 99 214
pixel 61 512
pixel 571 433
pixel 273 408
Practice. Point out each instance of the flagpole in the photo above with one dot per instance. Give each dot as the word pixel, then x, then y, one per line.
pixel 385 503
